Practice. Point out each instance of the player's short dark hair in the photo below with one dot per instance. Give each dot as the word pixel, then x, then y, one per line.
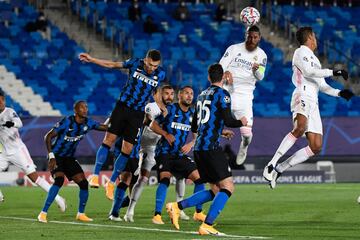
pixel 76 104
pixel 164 87
pixel 2 93
pixel 154 54
pixel 215 72
pixel 184 87
pixel 303 34
pixel 254 28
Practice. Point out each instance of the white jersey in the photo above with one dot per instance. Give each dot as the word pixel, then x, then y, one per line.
pixel 148 137
pixel 10 140
pixel 239 61
pixel 308 77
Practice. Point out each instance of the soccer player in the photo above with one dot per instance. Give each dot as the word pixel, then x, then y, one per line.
pixel 172 148
pixel 13 150
pixel 211 114
pixel 127 117
pixel 61 142
pixel 308 78
pixel 126 180
pixel 148 144
pixel 244 64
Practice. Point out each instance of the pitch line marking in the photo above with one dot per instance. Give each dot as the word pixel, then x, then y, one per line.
pixel 129 227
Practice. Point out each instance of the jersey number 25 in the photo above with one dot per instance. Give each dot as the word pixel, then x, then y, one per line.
pixel 203 111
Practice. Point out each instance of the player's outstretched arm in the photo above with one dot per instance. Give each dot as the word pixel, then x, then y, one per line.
pixel 85 57
pixel 327 89
pixel 303 63
pixel 230 121
pixel 154 125
pixel 48 137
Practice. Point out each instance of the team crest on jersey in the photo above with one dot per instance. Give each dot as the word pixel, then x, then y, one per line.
pixel 227 99
pixel 57 125
pixel 239 54
pixel 155 77
pixel 86 128
pixel 305 59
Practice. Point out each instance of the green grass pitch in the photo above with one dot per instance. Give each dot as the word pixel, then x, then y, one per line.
pixel 319 211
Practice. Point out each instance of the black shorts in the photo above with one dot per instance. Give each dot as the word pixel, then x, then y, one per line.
pixel 212 165
pixel 68 165
pixel 131 165
pixel 125 122
pixel 179 166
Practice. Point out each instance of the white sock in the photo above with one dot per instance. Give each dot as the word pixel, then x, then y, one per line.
pixel 45 186
pixel 136 193
pixel 288 141
pixel 180 189
pixel 246 137
pixel 300 156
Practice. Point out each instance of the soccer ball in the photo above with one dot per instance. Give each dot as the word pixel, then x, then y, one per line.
pixel 249 16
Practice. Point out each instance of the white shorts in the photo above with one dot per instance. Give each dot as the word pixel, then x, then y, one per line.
pixel 20 158
pixel 149 161
pixel 242 107
pixel 310 109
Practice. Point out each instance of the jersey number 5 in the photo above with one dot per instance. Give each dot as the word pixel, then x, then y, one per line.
pixel 203 111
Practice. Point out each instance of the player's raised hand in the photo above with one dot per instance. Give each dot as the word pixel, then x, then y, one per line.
pixel 8 124
pixel 85 57
pixel 228 134
pixel 170 138
pixel 187 147
pixel 228 77
pixel 342 73
pixel 244 121
pixel 346 94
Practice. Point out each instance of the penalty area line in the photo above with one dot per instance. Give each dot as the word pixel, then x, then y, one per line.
pixel 130 227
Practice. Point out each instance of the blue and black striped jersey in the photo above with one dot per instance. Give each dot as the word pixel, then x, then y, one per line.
pixel 137 91
pixel 69 134
pixel 177 123
pixel 209 122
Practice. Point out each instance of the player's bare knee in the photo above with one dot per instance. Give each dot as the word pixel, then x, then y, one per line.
pixel 109 139
pixel 126 147
pixel 33 176
pixel 126 177
pixel 316 148
pixel 298 131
